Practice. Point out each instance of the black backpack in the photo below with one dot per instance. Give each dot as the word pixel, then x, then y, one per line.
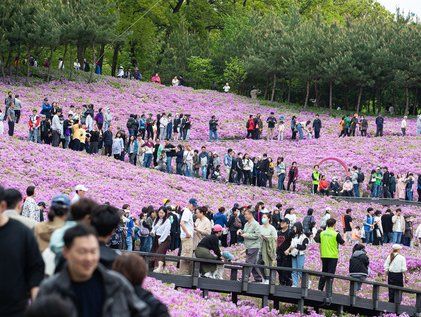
pixel 360 177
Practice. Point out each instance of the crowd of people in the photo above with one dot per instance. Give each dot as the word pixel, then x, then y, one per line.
pixel 77 243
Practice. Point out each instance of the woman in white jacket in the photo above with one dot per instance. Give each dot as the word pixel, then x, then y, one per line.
pixel 161 237
pixel 395 268
pixel 118 146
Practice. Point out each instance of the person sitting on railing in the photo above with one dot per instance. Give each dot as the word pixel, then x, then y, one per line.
pixel 329 240
pixel 134 269
pixel 358 265
pixel 395 268
pixel 207 244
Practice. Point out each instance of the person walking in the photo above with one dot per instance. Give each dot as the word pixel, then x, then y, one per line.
pixel 11 118
pixel 329 241
pixel 186 235
pixel 268 250
pixel 404 125
pixel 398 228
pixel 252 243
pixel 395 269
pixel 317 126
pixel 292 176
pixel 18 108
pixel 379 125
pixel 213 129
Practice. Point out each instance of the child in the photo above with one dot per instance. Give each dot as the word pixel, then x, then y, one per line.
pixel 356 234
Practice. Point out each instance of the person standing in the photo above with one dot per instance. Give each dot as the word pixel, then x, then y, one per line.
pixel 363 126
pixel 329 241
pixel 387 225
pixel 34 123
pixel 404 125
pixel 162 239
pixel 250 127
pixel 292 176
pixel 317 126
pixel 202 226
pixel 358 264
pixel 251 236
pixel 395 268
pixel 297 250
pixel 11 118
pixel 419 125
pixel 18 108
pixel 348 225
pixel 280 170
pixel 283 258
pixel 56 127
pixel 315 178
pixel 234 224
pixel 398 228
pixel 94 290
pixel 2 118
pixel 271 121
pixel 386 183
pixel 13 201
pixel 213 129
pixel 30 207
pixel 379 125
pixel 21 267
pixel 268 249
pixel 220 218
pixel 186 235
pixel 226 88
pixel 369 225
pixel 355 183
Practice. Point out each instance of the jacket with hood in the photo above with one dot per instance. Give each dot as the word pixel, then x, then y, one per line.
pixel 358 263
pixel 120 299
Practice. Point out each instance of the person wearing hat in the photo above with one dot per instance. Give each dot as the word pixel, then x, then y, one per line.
pixel 395 268
pixel 57 215
pixel 283 258
pixel 207 244
pixel 329 240
pixel 80 191
pixel 186 235
pixel 46 108
pixel 334 187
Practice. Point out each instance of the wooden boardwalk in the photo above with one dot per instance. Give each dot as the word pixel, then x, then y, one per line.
pixel 239 284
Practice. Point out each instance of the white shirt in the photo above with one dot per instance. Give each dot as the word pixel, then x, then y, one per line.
pixel 175 82
pixel 163 122
pixel 398 264
pixel 292 218
pixel 227 88
pixel 398 223
pixel 403 124
pixel 89 123
pixel 418 232
pixel 75 199
pixel 187 217
pixel 30 209
pixel 162 230
pixel 56 125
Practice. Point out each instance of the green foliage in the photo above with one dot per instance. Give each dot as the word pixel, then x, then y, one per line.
pixel 201 72
pixel 235 73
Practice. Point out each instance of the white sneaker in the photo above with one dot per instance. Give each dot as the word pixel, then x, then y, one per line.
pixel 157 270
pixel 265 282
pixel 208 275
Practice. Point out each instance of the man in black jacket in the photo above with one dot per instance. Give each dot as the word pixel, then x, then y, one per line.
pixel 387 226
pixel 317 126
pixel 93 290
pixel 264 170
pixel 386 183
pixel 108 141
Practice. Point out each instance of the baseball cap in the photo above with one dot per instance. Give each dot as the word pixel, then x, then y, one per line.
pixel 81 187
pixel 193 201
pixel 396 247
pixel 61 200
pixel 217 228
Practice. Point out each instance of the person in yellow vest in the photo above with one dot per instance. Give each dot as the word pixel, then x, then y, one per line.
pixel 315 177
pixel 329 240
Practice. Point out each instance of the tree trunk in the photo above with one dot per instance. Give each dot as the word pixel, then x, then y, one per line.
pixel 307 93
pixel 27 66
pixel 93 65
pixel 273 87
pixel 49 64
pixel 415 101
pixel 406 101
pixel 289 91
pixel 80 54
pixel 115 59
pixel 266 89
pixel 101 57
pixel 316 92
pixel 360 93
pixel 378 103
pixel 330 96
pixel 8 62
pixel 71 68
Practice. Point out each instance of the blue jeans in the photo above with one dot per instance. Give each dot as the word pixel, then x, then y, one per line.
pixel 356 190
pixel 388 237
pixel 375 192
pixel 281 179
pixel 34 136
pixel 369 237
pixel 169 131
pixel 66 141
pixel 409 195
pixel 189 168
pixel 146 244
pixel 213 135
pixel 204 170
pixel 129 243
pixel 179 168
pixel 169 163
pixel 147 160
pixel 397 237
pixel 297 263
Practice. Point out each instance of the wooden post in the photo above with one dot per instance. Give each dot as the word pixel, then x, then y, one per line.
pixel 301 306
pixel 265 301
pixel 234 298
pixel 352 294
pixel 272 281
pixel 205 293
pixel 418 305
pixel 329 290
pixel 376 291
pixel 196 272
pixel 276 304
pixel 245 278
pixel 234 274
pixel 397 298
pixel 304 285
pixel 340 310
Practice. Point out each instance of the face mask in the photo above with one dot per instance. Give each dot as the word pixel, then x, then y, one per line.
pixel 265 220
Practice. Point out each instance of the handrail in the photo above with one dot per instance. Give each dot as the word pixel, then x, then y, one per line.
pixel 273 268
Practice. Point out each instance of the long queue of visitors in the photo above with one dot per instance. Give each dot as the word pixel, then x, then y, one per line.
pixel 149 143
pixel 81 242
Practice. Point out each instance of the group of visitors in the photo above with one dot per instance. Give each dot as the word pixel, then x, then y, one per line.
pixel 276 127
pixel 271 237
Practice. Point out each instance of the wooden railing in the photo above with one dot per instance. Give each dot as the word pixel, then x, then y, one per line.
pixel 301 296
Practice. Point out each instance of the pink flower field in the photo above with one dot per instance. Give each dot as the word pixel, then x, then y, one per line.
pixel 55 170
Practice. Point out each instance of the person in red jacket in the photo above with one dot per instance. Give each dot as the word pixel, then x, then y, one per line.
pixel 156 79
pixel 34 124
pixel 250 126
pixel 292 176
pixel 323 186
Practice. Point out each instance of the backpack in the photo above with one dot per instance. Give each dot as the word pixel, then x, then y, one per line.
pixel 360 177
pixel 308 222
